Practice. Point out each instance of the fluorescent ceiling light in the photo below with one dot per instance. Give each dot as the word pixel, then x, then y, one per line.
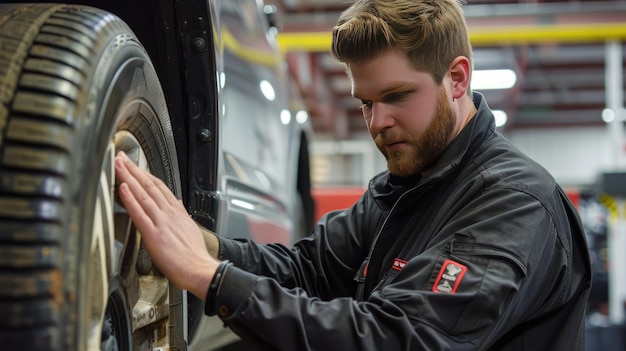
pixel 493 79
pixel 608 115
pixel 500 117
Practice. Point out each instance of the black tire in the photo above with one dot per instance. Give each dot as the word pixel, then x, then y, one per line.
pixel 75 87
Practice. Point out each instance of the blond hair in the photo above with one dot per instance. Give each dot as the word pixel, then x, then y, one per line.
pixel 432 33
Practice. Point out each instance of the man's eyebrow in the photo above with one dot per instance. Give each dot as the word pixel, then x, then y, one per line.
pixel 393 88
pixel 398 86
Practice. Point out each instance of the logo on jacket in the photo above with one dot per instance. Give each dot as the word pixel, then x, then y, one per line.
pixel 449 277
pixel 398 264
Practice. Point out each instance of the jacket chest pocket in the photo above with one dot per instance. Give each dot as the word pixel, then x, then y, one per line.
pixel 486 253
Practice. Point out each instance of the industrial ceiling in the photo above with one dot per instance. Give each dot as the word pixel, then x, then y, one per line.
pixel 568 57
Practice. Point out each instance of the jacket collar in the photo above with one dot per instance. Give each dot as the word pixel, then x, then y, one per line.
pixel 481 126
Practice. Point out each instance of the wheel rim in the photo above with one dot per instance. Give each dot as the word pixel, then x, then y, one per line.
pixel 125 294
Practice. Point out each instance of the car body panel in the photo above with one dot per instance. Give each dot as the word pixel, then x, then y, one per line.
pixel 257 120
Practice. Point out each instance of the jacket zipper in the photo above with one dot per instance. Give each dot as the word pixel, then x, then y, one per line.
pixel 375 242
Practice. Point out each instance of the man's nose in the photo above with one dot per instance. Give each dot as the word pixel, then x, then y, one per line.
pixel 381 118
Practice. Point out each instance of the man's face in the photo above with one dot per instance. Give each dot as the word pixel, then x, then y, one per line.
pixel 407 113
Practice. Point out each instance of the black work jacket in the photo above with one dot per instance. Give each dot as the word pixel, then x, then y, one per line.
pixel 484 253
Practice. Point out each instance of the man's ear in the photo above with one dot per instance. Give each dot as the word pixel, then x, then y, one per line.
pixel 460 71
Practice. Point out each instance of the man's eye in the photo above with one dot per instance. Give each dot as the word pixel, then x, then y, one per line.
pixel 395 97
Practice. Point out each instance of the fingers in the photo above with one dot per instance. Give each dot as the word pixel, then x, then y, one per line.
pixel 156 188
pixel 130 193
pixel 142 221
pixel 143 194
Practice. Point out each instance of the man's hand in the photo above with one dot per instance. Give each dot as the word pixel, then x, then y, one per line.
pixel 171 237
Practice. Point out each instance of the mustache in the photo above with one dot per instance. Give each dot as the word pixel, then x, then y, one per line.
pixel 388 137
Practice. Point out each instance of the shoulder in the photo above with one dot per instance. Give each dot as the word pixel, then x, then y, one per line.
pixel 504 166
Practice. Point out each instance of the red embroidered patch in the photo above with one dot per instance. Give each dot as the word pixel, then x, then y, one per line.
pixel 449 277
pixel 398 264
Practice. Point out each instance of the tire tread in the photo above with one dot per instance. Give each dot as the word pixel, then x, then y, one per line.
pixel 46 52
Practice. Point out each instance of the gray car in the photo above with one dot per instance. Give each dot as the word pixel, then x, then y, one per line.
pixel 198 93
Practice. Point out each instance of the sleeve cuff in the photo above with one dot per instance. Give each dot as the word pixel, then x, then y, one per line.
pixel 231 292
pixel 215 285
pixel 230 250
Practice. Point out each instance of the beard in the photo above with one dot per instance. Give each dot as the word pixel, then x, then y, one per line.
pixel 423 150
